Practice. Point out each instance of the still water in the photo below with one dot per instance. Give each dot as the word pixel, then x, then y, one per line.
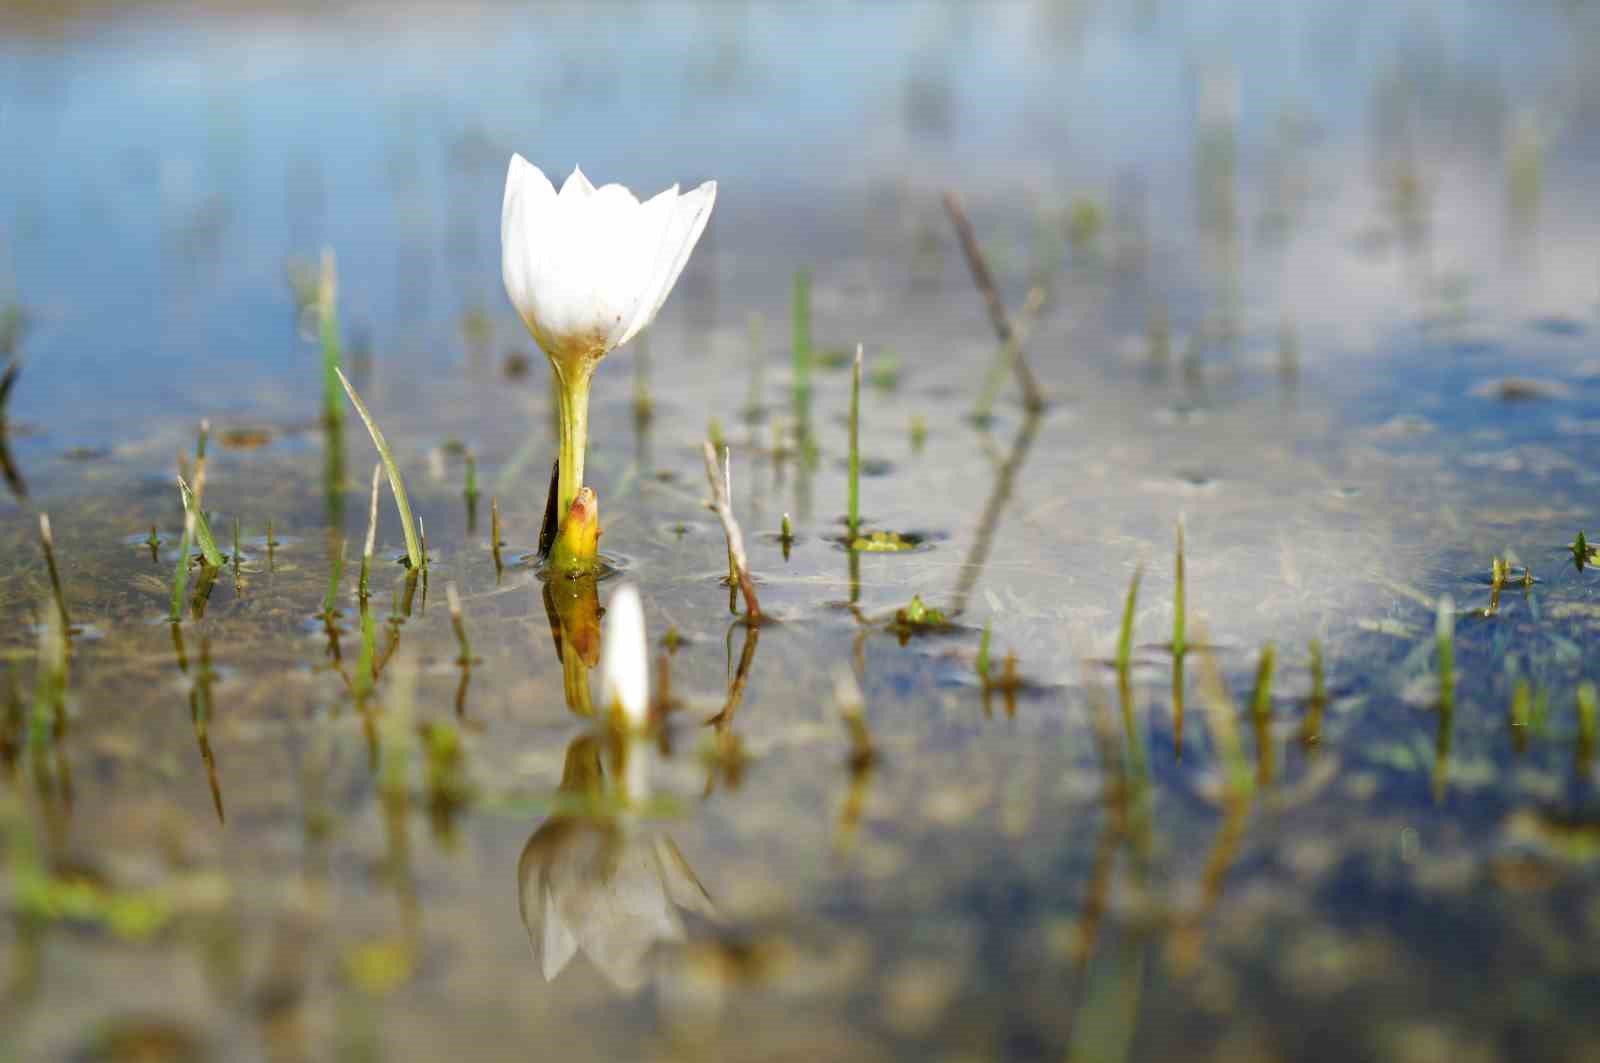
pixel 1318 282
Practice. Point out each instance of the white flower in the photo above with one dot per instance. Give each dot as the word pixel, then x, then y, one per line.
pixel 624 659
pixel 589 267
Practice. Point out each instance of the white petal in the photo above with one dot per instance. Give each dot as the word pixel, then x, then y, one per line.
pixel 523 214
pixel 576 186
pixel 559 943
pixel 624 658
pixel 689 216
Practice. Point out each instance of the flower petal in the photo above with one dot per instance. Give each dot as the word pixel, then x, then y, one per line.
pixel 528 197
pixel 682 231
pixel 576 186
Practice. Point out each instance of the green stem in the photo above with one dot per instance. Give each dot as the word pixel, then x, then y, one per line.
pixel 573 398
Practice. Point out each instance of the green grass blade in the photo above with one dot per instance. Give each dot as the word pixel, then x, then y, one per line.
pixel 202 527
pixel 414 553
pixel 1125 636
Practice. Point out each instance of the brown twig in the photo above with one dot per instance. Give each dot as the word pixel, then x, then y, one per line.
pixel 1032 396
pixel 721 504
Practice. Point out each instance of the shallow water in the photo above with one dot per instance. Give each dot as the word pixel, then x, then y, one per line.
pixel 1320 284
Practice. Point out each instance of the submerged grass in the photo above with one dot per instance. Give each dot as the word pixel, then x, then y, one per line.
pixel 414 553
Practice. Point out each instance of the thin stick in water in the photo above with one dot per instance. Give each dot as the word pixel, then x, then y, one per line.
pixel 722 504
pixel 48 541
pixel 458 624
pixel 494 531
pixel 1032 397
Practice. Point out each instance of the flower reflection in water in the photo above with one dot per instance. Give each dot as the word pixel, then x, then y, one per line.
pixel 594 880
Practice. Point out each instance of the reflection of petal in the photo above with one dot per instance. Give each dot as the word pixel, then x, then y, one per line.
pixel 682 885
pixel 559 944
pixel 613 899
pixel 616 896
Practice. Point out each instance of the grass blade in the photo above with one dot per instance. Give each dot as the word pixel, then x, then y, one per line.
pixel 1125 636
pixel 414 554
pixel 202 527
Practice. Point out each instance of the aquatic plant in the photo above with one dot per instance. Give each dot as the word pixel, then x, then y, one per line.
pixel 458 624
pixel 494 532
pixel 47 542
pixel 470 491
pixel 576 547
pixel 1583 553
pixel 1261 698
pixel 721 503
pixel 994 380
pixel 587 269
pixel 1125 634
pixel 1311 727
pixel 416 557
pixel 202 527
pixel 363 585
pixel 1032 397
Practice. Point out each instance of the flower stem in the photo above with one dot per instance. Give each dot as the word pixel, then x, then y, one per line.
pixel 573 396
